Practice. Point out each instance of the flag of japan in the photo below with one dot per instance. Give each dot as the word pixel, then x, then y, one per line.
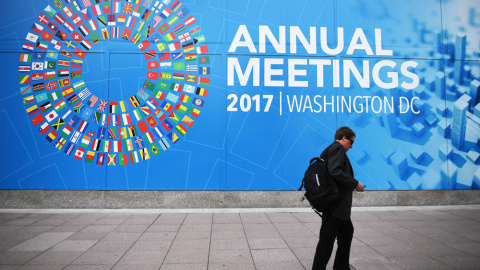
pixel 51 116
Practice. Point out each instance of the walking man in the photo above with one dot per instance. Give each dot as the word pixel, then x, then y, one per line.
pixel 336 224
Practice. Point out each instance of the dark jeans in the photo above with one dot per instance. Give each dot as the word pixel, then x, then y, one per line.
pixel 332 228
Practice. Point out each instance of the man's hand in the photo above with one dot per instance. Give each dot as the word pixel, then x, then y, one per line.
pixel 360 187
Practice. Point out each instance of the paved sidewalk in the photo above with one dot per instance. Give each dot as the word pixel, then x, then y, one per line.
pixel 385 238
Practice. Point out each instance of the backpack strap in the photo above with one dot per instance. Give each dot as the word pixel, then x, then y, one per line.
pixel 313 160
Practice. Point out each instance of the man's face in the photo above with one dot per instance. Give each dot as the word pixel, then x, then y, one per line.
pixel 347 142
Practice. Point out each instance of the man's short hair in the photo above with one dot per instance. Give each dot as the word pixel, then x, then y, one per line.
pixel 344 131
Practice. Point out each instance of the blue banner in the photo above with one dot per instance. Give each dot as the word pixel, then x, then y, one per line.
pixel 237 95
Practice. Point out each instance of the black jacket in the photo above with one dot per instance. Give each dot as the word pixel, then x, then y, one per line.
pixel 340 170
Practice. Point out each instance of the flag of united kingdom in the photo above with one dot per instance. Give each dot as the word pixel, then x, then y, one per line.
pixel 102 105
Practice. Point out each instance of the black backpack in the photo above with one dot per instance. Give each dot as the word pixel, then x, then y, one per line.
pixel 321 191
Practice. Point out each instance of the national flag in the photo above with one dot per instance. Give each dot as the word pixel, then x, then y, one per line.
pixel 24 68
pixel 178 76
pixel 54 96
pixel 146 15
pixel 67 11
pixel 26 57
pixel 77 20
pixel 51 85
pixel 24 79
pixel 28 46
pixel 84 30
pixel 199 39
pixel 163 28
pixel 64 82
pixel 184 38
pixel 60 105
pixel 149 137
pixel 201 91
pixel 137 115
pixel 126 33
pixel 84 94
pixel 86 44
pixel 171 20
pixel 51 136
pixel 37 76
pixel 202 49
pixel 132 131
pixel 76 63
pixel 67 91
pixel 85 142
pixel 59 18
pixel 106 146
pixel 195 31
pixel 115 33
pixel 151 121
pixel 152 75
pixel 122 133
pixel 58 124
pixel 136 11
pixel 93 25
pixel 95 38
pixel 152 64
pixel 61 35
pixel 144 153
pixel 156 21
pixel 204 81
pixel 165 13
pixel 189 21
pixel 43 19
pixel 136 38
pixel 100 158
pixel 25 90
pixel 176 87
pixel 38 119
pixel 127 8
pixel 51 116
pixel 185 99
pixel 106 8
pixel 163 85
pixel 164 144
pixel 80 53
pixel 117 146
pixel 165 75
pixel 193 111
pixel 158 132
pixel 180 108
pixel 49 11
pixel 138 141
pixel 134 101
pixel 179 28
pixel 169 37
pixel 144 45
pixel 182 130
pixel 131 22
pixel 187 121
pixel 176 5
pixel 190 57
pixel 145 110
pixel 142 126
pixel 38 87
pixel 79 153
pixel 128 145
pixel 60 143
pixel 112 21
pixel 44 128
pixel 69 26
pixel 191 78
pixel 174 46
pixel 96 143
pixel 203 60
pixel 42 45
pixel 76 36
pixel 90 157
pixel 113 107
pixel 96 10
pixel 173 137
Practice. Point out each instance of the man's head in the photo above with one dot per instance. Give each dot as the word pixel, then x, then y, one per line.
pixel 346 137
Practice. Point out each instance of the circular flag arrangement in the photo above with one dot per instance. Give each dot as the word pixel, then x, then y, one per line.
pixel 102 131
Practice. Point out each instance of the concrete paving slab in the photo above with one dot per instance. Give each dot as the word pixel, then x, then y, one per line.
pixel 446 237
pixel 42 242
pixel 72 245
